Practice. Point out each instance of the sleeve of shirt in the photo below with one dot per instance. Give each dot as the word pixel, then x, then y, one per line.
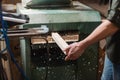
pixel 114 13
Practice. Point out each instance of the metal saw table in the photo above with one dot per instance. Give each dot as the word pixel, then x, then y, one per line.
pixel 39 65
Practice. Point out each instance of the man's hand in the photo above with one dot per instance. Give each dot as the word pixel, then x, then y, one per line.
pixel 74 51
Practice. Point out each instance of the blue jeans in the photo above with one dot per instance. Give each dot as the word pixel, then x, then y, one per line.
pixel 111 71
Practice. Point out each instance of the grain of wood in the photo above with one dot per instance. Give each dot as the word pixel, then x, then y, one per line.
pixel 59 41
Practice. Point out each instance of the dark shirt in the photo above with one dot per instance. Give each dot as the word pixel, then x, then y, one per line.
pixel 113 42
pixel 114 12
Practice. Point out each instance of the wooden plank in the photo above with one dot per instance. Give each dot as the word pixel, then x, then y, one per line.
pixel 6 63
pixel 59 41
pixel 68 37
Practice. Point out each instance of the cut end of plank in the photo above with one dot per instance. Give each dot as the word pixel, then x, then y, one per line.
pixel 59 41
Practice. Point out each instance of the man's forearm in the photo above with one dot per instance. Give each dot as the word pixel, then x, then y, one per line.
pixel 102 31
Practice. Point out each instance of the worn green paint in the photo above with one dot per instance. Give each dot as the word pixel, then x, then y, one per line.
pixel 85 68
